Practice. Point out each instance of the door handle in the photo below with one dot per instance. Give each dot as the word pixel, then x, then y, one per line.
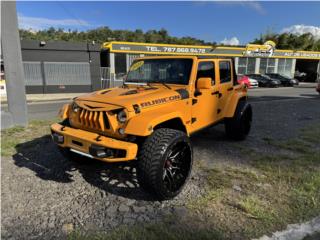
pixel 194 101
pixel 217 93
pixel 230 89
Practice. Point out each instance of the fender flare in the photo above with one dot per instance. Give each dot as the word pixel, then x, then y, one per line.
pixel 243 106
pixel 233 104
pixel 144 124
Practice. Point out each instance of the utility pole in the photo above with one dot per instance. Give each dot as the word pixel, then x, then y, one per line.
pixel 14 75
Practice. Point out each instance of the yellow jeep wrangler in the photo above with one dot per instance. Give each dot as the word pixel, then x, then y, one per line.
pixel 150 118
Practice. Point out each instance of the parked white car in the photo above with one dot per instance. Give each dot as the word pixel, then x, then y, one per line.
pixel 253 83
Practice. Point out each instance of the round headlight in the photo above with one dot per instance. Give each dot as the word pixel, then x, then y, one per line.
pixel 122 116
pixel 75 107
pixel 121 131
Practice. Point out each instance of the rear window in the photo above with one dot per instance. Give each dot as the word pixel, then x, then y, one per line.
pixel 225 72
pixel 206 70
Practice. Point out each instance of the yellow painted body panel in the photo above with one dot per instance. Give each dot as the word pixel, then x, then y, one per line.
pixel 240 91
pixel 64 111
pixel 143 124
pixel 88 138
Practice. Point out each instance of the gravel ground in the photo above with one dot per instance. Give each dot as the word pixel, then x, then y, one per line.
pixel 44 195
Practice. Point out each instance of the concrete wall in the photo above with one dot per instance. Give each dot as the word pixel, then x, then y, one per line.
pixel 59 51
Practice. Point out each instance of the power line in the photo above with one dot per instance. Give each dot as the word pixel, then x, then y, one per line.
pixel 70 14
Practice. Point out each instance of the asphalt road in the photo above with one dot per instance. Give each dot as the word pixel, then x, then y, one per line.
pixel 283 93
pixel 49 110
pixel 42 110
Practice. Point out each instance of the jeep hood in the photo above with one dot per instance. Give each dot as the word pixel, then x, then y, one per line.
pixel 144 97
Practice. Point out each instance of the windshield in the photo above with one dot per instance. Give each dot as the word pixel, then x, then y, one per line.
pixel 170 71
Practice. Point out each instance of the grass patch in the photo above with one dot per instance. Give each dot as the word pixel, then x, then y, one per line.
pixel 311 134
pixel 257 208
pixel 157 231
pixel 295 145
pixel 271 192
pixel 11 137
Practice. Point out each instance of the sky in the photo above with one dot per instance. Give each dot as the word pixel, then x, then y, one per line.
pixel 231 23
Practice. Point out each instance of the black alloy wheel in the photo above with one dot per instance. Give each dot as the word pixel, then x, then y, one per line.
pixel 176 167
pixel 165 162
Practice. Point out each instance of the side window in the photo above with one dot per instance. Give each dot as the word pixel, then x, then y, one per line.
pixel 225 72
pixel 205 70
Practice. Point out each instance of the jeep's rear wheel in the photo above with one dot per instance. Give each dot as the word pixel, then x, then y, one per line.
pixel 238 127
pixel 165 163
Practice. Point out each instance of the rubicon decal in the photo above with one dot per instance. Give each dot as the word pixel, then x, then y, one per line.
pixel 159 101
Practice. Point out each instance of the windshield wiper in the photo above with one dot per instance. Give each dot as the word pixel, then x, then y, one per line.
pixel 139 83
pixel 149 85
pixel 163 83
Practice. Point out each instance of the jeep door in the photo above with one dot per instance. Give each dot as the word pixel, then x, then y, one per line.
pixel 204 101
pixel 224 84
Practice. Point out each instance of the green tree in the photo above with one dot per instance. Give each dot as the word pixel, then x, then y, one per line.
pixel 291 41
pixel 104 34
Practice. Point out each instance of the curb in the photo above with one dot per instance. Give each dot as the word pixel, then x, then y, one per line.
pixel 304 86
pixel 295 231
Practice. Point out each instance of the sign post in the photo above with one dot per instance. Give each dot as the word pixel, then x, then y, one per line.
pixel 15 82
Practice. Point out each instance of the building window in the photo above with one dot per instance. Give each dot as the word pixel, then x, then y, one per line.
pixel 120 65
pixel 242 66
pixel 267 65
pixel 271 65
pixel 251 65
pixel 285 66
pixel 131 58
pixel 246 65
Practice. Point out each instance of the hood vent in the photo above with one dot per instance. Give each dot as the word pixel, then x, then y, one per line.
pixel 129 92
pixel 91 107
pixel 184 94
pixel 134 91
pixel 106 91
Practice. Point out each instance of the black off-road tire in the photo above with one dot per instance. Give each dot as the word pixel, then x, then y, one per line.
pixel 238 127
pixel 157 153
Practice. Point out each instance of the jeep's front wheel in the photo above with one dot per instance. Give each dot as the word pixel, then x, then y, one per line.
pixel 165 163
pixel 238 127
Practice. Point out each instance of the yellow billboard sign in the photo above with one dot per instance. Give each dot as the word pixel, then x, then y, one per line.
pixel 257 50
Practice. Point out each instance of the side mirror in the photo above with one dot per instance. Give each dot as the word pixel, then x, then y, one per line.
pixel 204 83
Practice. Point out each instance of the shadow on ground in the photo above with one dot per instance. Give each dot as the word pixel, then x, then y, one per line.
pixel 42 156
